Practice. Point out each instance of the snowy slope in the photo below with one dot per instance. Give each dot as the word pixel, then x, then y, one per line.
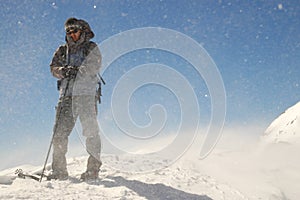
pixel 180 181
pixel 286 128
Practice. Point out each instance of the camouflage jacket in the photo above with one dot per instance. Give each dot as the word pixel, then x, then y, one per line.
pixel 83 55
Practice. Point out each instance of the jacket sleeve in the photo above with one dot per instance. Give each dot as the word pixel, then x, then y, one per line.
pixel 93 59
pixel 59 58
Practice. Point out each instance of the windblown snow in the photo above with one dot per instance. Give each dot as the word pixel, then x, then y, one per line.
pixel 246 164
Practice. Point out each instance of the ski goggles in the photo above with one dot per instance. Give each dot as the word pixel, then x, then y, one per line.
pixel 72 29
pixel 69 32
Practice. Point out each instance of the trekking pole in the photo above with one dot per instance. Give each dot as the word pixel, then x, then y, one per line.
pixel 54 129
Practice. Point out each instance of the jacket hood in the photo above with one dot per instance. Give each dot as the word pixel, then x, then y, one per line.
pixel 80 24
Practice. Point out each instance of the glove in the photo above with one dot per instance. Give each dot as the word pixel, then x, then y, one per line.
pixel 70 72
pixel 58 72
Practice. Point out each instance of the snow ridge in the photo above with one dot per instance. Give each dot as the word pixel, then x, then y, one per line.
pixel 286 128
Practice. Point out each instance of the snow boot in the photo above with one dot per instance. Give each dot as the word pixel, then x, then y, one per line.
pixel 57 176
pixel 93 168
pixel 89 175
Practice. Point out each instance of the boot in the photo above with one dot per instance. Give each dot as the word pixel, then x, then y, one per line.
pixel 93 168
pixel 57 176
pixel 89 175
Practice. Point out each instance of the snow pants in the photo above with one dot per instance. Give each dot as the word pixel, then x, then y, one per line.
pixel 67 112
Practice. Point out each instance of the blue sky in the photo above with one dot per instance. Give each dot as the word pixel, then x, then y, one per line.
pixel 255 45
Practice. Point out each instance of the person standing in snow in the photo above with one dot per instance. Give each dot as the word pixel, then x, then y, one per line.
pixel 76 65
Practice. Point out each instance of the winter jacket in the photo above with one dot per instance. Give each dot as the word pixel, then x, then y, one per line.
pixel 83 55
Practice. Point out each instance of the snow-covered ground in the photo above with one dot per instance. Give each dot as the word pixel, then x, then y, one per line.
pixel 228 173
pixel 179 181
pixel 242 166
